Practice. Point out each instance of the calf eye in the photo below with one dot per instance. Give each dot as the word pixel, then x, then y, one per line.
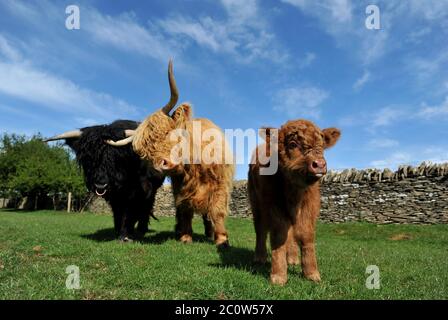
pixel 292 145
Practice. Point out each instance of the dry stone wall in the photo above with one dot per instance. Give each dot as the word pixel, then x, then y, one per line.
pixel 417 195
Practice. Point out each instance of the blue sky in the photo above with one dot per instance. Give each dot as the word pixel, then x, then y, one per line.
pixel 243 64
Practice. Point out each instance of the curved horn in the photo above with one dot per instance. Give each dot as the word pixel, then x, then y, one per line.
pixel 66 135
pixel 121 142
pixel 129 133
pixel 173 89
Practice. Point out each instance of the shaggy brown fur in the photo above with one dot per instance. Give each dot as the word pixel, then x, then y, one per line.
pixel 202 188
pixel 287 204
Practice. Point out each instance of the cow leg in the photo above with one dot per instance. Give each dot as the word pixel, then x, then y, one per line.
pixel 279 237
pixel 127 228
pixel 118 217
pixel 217 212
pixel 208 226
pixel 142 220
pixel 142 226
pixel 147 212
pixel 261 233
pixel 221 237
pixel 120 223
pixel 184 228
pixel 292 248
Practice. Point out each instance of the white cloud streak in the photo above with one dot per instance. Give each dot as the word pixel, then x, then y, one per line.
pixel 429 112
pixel 392 161
pixel 361 81
pixel 21 80
pixel 243 34
pixel 300 101
pixel 380 143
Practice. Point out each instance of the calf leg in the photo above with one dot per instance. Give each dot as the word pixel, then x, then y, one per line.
pixel 279 237
pixel 292 248
pixel 184 228
pixel 309 261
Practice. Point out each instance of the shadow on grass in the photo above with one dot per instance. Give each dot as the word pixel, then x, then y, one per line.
pixel 241 259
pixel 14 210
pixel 101 235
pixel 151 237
pixel 163 236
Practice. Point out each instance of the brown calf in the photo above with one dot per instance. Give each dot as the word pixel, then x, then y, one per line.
pixel 287 203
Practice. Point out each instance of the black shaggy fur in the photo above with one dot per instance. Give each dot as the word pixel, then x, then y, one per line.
pixel 131 186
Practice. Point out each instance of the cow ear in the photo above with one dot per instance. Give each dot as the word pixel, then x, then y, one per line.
pixel 182 114
pixel 331 136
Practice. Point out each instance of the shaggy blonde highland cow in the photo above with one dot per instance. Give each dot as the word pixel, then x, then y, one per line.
pixel 198 185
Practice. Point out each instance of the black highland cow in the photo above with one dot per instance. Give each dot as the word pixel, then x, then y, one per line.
pixel 116 174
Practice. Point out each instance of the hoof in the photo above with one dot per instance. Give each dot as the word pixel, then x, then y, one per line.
pixel 125 239
pixel 278 280
pixel 223 245
pixel 314 276
pixel 186 239
pixel 293 261
pixel 260 259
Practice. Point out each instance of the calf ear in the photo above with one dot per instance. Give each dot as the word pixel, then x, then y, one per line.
pixel 182 114
pixel 331 136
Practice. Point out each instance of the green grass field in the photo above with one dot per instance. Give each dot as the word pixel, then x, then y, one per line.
pixel 36 248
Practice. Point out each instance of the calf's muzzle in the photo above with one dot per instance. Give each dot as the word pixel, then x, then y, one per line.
pixel 317 167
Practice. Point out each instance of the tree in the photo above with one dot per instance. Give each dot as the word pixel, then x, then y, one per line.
pixel 31 168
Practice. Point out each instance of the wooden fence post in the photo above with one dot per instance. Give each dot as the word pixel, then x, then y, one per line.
pixel 69 202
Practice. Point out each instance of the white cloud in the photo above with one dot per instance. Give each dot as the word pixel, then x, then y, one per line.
pixel 339 10
pixel 27 83
pixel 414 156
pixel 362 81
pixel 436 154
pixel 8 51
pixel 124 33
pixel 307 60
pixel 417 36
pixel 344 21
pixel 205 32
pixel 386 116
pixel 426 68
pixel 300 101
pixel 429 112
pixel 383 143
pixel 244 33
pixel 242 11
pixel 393 161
